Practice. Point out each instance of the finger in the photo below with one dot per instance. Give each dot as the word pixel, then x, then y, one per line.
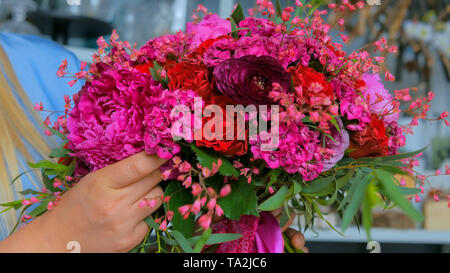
pixel 134 192
pixel 142 212
pixel 296 238
pixel 130 170
pixel 140 231
pixel 276 213
pixel 288 223
pixel 305 249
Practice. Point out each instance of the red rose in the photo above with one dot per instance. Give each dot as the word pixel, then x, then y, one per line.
pixel 311 86
pixel 193 77
pixel 144 68
pixel 226 147
pixel 372 141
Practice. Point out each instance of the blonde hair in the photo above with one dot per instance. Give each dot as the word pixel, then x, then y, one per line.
pixel 20 133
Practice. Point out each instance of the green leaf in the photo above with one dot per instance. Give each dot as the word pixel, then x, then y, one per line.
pixel 156 74
pixel 45 164
pixel 393 193
pixel 28 192
pixel 180 196
pixel 19 176
pixel 206 159
pixel 238 14
pixel 274 174
pixel 241 201
pixel 151 223
pixel 315 186
pixel 15 204
pixel 408 191
pixel 367 214
pixel 59 152
pixel 335 123
pixel 216 238
pixel 361 173
pixel 278 9
pixel 48 183
pixel 297 188
pixel 56 133
pixel 355 201
pixel 39 210
pixel 390 158
pixel 219 238
pixel 343 181
pixel 185 245
pixel 202 241
pixel 276 201
pixel 331 200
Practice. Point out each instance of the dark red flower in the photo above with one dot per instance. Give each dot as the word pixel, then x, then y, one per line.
pixel 249 80
pixel 195 77
pixel 372 141
pixel 311 86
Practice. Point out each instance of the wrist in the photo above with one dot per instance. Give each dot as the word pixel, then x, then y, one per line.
pixel 38 236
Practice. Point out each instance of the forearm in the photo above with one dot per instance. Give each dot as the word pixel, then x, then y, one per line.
pixel 32 238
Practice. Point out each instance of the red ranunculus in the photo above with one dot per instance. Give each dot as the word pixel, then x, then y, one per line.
pixel 372 141
pixel 226 147
pixel 144 68
pixel 195 77
pixel 311 86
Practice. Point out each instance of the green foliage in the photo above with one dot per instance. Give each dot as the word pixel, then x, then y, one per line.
pixel 207 158
pixel 241 201
pixel 180 196
pixel 202 241
pixel 356 197
pixel 395 195
pixel 276 201
pixel 238 14
pixel 182 241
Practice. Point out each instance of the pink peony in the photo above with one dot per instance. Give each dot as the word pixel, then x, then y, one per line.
pixel 120 113
pixel 379 99
pixel 211 27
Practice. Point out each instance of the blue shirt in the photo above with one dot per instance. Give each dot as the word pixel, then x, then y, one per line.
pixel 35 62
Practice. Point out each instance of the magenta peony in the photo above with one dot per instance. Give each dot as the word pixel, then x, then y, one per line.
pixel 211 27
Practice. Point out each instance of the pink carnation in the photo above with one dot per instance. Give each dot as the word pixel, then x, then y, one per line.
pixel 118 114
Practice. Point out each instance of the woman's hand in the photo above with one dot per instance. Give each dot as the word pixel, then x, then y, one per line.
pixel 101 212
pixel 297 239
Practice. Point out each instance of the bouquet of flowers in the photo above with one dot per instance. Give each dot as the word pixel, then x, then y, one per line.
pixel 253 115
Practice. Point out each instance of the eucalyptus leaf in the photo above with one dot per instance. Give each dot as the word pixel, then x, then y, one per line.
pixel 276 201
pixel 182 241
pixel 355 201
pixel 393 193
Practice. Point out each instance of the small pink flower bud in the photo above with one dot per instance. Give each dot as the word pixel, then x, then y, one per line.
pixel 205 221
pixel 226 190
pixel 211 204
pixel 219 210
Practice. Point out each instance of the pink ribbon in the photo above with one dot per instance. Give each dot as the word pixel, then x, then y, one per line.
pixel 268 237
pixel 260 235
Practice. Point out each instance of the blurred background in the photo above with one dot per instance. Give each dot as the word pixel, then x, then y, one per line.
pixel 420 28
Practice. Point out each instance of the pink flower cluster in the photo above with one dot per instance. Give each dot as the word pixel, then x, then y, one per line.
pixel 122 112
